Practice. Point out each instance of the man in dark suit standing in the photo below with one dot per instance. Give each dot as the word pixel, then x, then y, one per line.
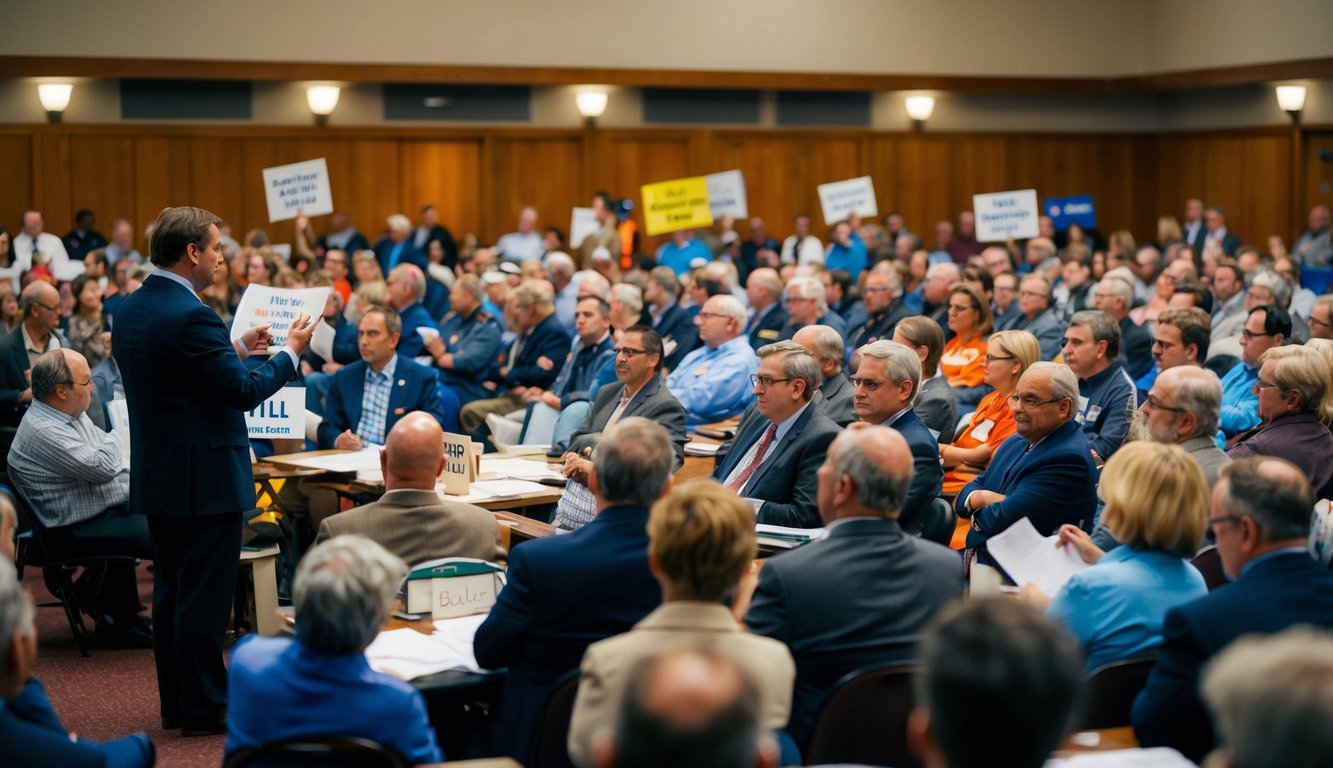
pixel 187 390
pixel 886 386
pixel 772 461
pixel 859 596
pixel 1261 520
pixel 567 592
pixel 1044 473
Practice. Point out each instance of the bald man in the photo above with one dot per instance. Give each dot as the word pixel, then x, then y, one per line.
pixel 412 520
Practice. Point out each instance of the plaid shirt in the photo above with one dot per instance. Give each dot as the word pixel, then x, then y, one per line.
pixel 70 469
pixel 375 403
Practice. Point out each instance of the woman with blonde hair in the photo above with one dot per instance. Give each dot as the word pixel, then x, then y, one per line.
pixel 1157 504
pixel 1295 414
pixel 366 268
pixel 963 362
pixel 1168 231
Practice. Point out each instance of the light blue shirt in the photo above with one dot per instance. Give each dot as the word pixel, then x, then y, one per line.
pixel 517 246
pixel 714 384
pixel 679 257
pixel 375 403
pixel 1240 406
pixel 182 282
pixel 851 257
pixel 1116 607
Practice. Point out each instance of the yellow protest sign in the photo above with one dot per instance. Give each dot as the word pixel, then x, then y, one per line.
pixel 677 204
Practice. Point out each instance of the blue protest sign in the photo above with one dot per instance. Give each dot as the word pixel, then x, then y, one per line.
pixel 1076 209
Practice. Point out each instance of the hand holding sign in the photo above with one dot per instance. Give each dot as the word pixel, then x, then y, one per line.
pixel 255 340
pixel 298 336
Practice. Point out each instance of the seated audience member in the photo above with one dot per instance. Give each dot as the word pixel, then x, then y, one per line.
pixel 320 682
pixel 410 519
pixel 701 542
pixel 1261 512
pixel 641 393
pixel 1107 395
pixel 963 363
pixel 1115 297
pixel 1036 315
pixel 407 289
pixel 1265 327
pixel 1321 318
pixel 342 235
pixel 998 686
pixel 806 305
pixel 1228 291
pixel 366 269
pixel 845 251
pixel 841 299
pixel 773 459
pixel 1003 306
pixel 1295 411
pixel 469 341
pixel 1270 701
pixel 567 592
pixel 662 311
pixel 767 317
pixel 826 345
pixel 1157 507
pixel 681 250
pixel 1182 410
pixel 19 349
pixel 560 272
pixel 106 375
pixel 1180 338
pixel 525 244
pixel 590 350
pixel 935 403
pixel 79 485
pixel 30 730
pixel 87 323
pixel 886 384
pixel 1008 355
pixel 857 597
pixel 882 299
pixel 940 278
pixel 712 382
pixel 534 360
pixel 1268 288
pixel 687 708
pixel 1044 473
pixel 397 247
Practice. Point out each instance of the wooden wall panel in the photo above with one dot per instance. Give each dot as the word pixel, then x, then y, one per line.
pixel 215 181
pixel 448 174
pixel 16 193
pixel 1318 174
pixel 1248 174
pixel 373 196
pixel 102 179
pixel 630 160
pixel 544 173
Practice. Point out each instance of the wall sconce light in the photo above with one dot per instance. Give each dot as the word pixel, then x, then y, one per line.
pixel 55 98
pixel 1291 98
pixel 591 103
pixel 323 99
pixel 920 108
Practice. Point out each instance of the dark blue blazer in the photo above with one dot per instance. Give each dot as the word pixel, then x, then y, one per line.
pixel 357 242
pixel 550 340
pixel 678 325
pixel 564 594
pixel 1274 594
pixel 33 737
pixel 1053 484
pixel 414 389
pixel 188 392
pixel 409 255
pixel 786 479
pixel 414 316
pixel 927 472
pixel 769 327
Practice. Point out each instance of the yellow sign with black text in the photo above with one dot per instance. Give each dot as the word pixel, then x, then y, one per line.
pixel 677 204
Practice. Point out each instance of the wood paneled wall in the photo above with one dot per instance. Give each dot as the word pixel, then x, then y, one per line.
pixel 480 178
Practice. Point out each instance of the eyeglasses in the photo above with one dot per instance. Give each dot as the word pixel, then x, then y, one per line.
pixel 1033 294
pixel 1158 405
pixel 1028 401
pixel 52 308
pixel 875 289
pixel 764 381
pixel 960 308
pixel 629 352
pixel 706 315
pixel 992 358
pixel 870 384
pixel 1247 334
pixel 1163 344
pixel 1261 384
pixel 1316 321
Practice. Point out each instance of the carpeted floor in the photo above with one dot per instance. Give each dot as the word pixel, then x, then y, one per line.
pixel 112 693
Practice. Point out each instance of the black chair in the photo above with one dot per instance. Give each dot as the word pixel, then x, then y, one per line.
pixel 327 751
pixel 550 746
pixel 863 720
pixel 1209 563
pixel 940 522
pixel 1111 691
pixel 57 568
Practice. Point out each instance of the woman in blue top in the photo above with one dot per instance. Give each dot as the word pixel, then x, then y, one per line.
pixel 1157 504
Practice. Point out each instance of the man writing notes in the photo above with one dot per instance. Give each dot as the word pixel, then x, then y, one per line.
pixel 187 390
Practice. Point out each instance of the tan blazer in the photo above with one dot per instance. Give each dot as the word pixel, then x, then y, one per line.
pixel 419 526
pixel 607 665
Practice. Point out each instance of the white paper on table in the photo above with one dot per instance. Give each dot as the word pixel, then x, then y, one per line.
pixel 507 487
pixel 1028 556
pixel 321 342
pixel 518 469
pixel 1158 757
pixel 783 537
pixel 700 448
pixel 120 424
pixel 474 494
pixel 408 654
pixel 349 461
pixel 457 634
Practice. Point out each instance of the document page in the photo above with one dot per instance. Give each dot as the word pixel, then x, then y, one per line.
pixel 1028 556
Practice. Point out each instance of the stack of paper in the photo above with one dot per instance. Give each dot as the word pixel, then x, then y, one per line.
pixel 700 448
pixel 408 654
pixel 782 537
pixel 1028 556
pixel 517 469
pixel 1158 757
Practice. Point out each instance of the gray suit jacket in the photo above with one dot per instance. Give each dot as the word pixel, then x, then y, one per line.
pixel 1049 330
pixel 653 401
pixel 839 399
pixel 936 407
pixel 419 526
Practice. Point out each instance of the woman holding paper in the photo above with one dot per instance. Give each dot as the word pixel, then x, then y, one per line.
pixel 1157 504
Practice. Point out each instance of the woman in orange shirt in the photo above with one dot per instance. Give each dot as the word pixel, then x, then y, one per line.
pixel 963 364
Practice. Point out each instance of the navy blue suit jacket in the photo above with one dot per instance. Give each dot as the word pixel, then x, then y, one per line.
pixel 1053 484
pixel 564 594
pixel 548 340
pixel 414 316
pixel 786 479
pixel 188 392
pixel 414 389
pixel 927 472
pixel 409 255
pixel 1274 594
pixel 33 737
pixel 678 325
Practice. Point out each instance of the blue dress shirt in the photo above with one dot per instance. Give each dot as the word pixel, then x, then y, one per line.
pixel 714 384
pixel 1240 406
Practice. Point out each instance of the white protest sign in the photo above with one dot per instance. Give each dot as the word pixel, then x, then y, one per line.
pixel 297 187
pixel 1002 215
pixel 280 417
pixel 459 466
pixel 280 306
pixel 321 341
pixel 726 195
pixel 841 198
pixel 582 222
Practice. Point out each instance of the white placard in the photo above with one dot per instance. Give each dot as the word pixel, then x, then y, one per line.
pixel 297 187
pixel 454 596
pixel 1002 215
pixel 280 417
pixel 726 195
pixel 841 198
pixel 582 222
pixel 279 306
pixel 321 341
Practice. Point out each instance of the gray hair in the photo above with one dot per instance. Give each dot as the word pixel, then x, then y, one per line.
pixel 1103 328
pixel 15 606
pixel 559 263
pixel 414 277
pixel 828 343
pixel 945 266
pixel 875 489
pixel 808 288
pixel 1280 506
pixel 732 308
pixel 1038 277
pixel 1275 283
pixel 1201 396
pixel 629 295
pixel 591 283
pixel 769 280
pixel 50 371
pixel 1064 384
pixel 891 275
pixel 666 278
pixel 399 223
pixel 1272 699
pixel 342 593
pixel 633 461
pixel 903 363
pixel 797 363
pixel 1121 289
pixel 724 271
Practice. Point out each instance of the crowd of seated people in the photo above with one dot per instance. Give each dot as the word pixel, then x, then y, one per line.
pixel 1109 391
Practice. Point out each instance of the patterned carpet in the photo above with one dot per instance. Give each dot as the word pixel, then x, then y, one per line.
pixel 112 693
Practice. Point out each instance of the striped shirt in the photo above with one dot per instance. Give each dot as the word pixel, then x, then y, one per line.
pixel 70 469
pixel 375 403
